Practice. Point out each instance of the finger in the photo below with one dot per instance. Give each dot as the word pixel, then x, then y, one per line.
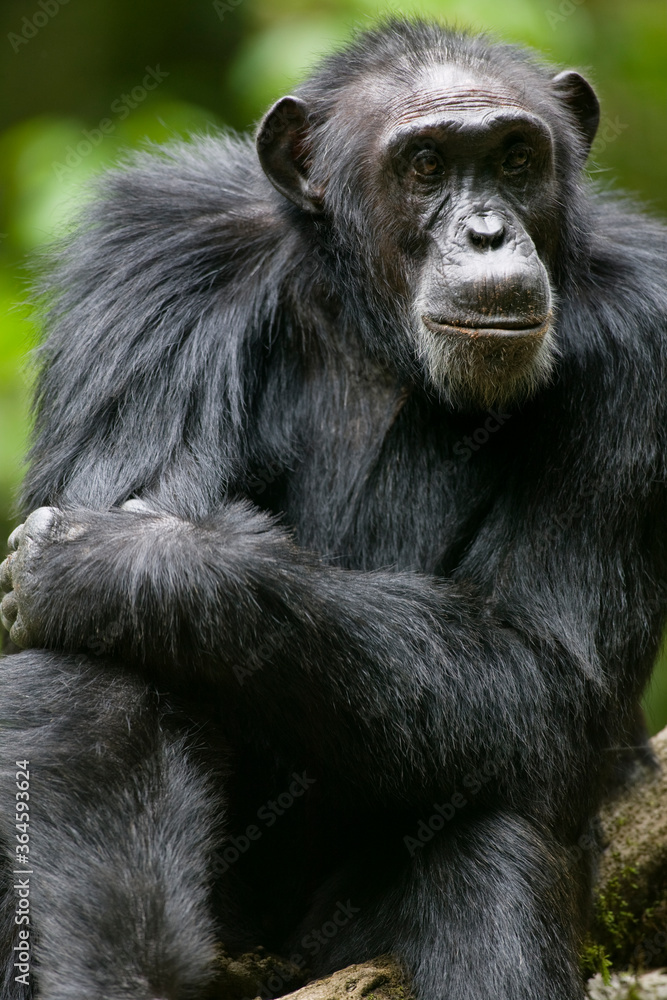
pixel 39 523
pixel 15 537
pixel 20 635
pixel 6 574
pixel 135 504
pixel 9 609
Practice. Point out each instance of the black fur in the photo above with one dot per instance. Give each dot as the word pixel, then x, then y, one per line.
pixel 335 578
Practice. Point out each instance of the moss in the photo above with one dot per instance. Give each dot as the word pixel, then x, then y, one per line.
pixel 252 974
pixel 616 925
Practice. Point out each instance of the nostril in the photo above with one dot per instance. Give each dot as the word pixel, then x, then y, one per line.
pixel 483 240
pixel 486 231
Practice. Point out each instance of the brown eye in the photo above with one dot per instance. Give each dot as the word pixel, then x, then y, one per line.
pixel 517 158
pixel 427 163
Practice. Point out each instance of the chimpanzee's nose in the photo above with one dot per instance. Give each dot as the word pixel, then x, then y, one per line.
pixel 486 231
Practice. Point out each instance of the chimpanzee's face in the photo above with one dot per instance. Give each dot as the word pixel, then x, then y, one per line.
pixel 467 175
pixel 448 185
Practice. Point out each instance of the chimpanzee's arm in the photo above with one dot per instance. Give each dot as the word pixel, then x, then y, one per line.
pixel 403 682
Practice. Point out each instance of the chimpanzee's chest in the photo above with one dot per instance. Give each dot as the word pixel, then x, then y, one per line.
pixel 411 497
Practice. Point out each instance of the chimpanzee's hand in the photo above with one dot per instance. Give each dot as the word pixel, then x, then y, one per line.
pixel 58 580
pixel 19 576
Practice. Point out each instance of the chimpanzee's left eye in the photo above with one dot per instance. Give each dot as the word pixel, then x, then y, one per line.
pixel 427 163
pixel 517 158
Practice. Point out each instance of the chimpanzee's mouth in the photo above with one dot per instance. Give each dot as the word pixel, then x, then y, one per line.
pixel 506 328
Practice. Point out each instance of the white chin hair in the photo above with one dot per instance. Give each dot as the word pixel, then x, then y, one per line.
pixel 485 371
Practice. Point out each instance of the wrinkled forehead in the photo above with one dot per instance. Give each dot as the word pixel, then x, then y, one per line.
pixel 435 93
pixel 447 90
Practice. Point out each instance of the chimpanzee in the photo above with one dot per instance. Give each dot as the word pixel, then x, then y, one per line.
pixel 348 568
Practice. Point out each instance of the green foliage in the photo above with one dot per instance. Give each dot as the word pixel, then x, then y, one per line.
pixel 655 699
pixel 16 337
pixel 612 911
pixel 594 960
pixel 616 927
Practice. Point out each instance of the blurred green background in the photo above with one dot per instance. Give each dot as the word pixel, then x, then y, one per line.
pixel 82 80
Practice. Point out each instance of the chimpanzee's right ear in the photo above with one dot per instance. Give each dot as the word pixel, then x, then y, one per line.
pixel 283 146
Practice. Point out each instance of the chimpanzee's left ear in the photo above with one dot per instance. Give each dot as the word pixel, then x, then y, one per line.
pixel 283 147
pixel 581 101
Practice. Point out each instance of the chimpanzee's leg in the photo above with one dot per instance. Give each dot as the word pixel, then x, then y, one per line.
pixel 485 910
pixel 119 823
